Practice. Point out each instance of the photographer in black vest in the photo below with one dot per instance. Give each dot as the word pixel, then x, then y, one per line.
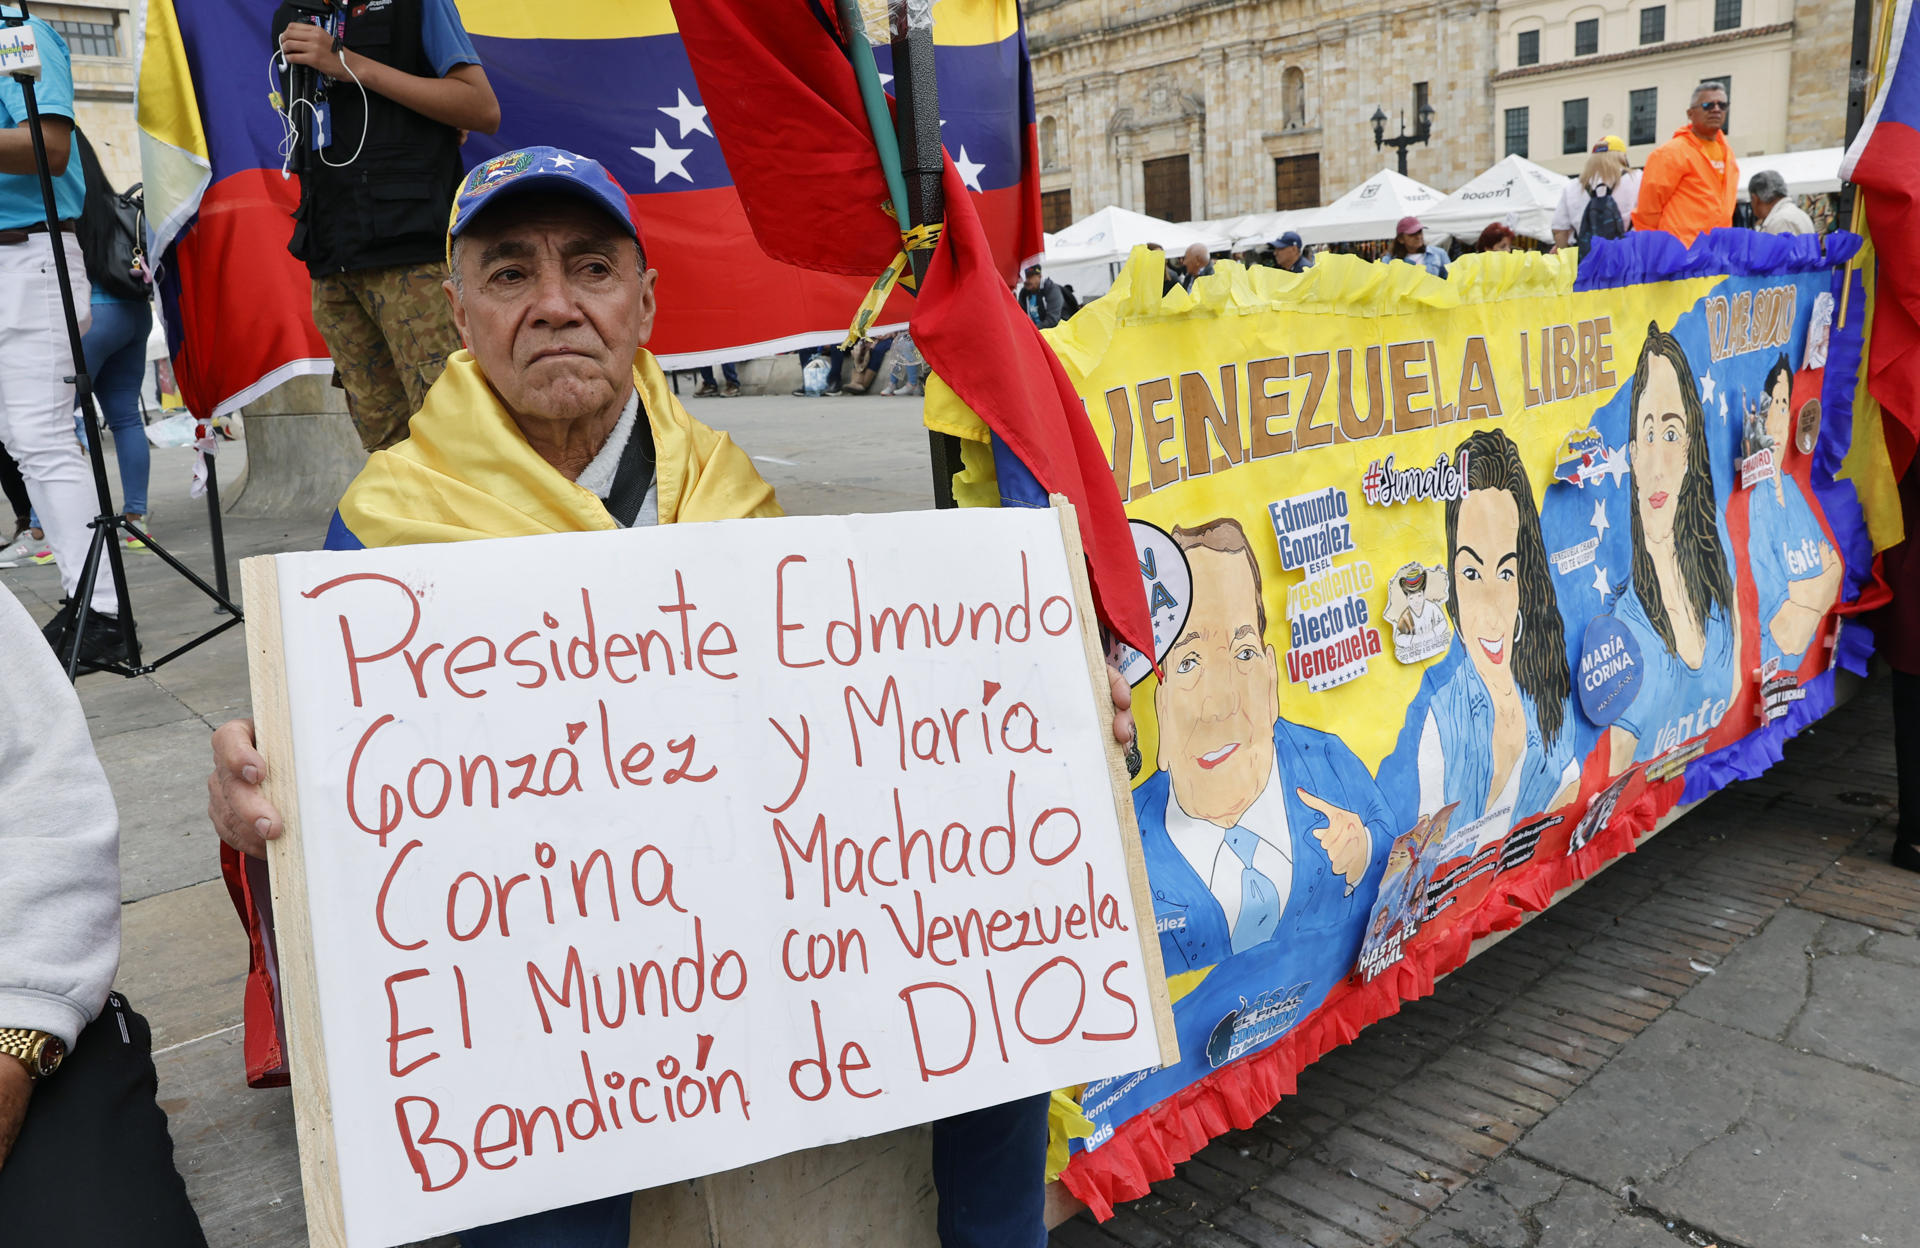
pixel 400 84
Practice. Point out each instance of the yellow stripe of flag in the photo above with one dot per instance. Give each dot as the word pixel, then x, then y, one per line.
pixel 174 162
pixel 955 22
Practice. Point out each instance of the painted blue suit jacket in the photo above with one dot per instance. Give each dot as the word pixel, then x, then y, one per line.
pixel 1321 925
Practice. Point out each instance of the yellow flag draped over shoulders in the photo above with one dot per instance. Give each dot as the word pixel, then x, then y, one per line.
pixel 465 472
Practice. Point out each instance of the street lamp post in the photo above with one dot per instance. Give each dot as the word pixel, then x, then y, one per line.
pixel 1402 141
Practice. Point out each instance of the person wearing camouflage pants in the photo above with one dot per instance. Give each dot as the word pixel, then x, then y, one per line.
pixel 390 332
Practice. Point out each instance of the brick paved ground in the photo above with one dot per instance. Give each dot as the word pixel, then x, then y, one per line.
pixel 1716 1041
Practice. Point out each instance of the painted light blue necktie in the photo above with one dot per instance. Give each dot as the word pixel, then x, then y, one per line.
pixel 1259 899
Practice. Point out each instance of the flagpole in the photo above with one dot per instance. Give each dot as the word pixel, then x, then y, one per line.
pixel 916 94
pixel 1860 87
pixel 873 96
pixel 916 116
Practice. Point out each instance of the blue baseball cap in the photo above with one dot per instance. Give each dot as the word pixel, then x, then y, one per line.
pixel 1289 239
pixel 539 169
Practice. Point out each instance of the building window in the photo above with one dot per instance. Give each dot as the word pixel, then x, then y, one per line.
pixel 1169 188
pixel 1586 37
pixel 1419 100
pixel 1049 143
pixel 88 38
pixel 1573 127
pixel 1293 98
pixel 1516 132
pixel 1529 49
pixel 1653 24
pixel 1056 210
pixel 1726 14
pixel 1643 115
pixel 1296 181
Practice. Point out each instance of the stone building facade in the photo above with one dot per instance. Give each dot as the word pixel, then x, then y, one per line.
pixel 1191 109
pixel 1817 89
pixel 1572 72
pixel 101 39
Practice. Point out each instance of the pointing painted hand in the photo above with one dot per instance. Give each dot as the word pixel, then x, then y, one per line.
pixel 1349 847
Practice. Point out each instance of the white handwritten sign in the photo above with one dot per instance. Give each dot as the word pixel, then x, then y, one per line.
pixel 622 858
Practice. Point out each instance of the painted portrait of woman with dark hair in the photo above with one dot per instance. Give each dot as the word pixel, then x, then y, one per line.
pixel 1497 741
pixel 1796 572
pixel 1681 605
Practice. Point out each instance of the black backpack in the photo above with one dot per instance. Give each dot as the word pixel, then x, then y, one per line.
pixel 112 230
pixel 1600 220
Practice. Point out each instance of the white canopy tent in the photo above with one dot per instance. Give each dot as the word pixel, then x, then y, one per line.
pixel 1515 191
pixel 1117 231
pixel 1807 173
pixel 1368 211
pixel 1258 229
pixel 1088 253
pixel 1089 277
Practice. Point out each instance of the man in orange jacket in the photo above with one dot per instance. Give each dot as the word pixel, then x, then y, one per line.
pixel 1692 179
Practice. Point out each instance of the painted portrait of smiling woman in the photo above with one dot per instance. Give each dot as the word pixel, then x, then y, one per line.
pixel 1497 741
pixel 1681 606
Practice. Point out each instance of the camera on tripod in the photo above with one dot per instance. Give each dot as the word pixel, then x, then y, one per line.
pixel 86 637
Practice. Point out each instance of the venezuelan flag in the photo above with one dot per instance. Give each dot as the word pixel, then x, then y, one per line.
pixel 608 78
pixel 1884 162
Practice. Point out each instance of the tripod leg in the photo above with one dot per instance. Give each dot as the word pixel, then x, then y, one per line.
pixel 83 597
pixel 129 641
pixel 219 533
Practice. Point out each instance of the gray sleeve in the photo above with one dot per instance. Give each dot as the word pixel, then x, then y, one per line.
pixel 1052 304
pixel 59 844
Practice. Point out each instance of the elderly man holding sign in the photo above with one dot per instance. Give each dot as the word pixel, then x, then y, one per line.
pixel 555 420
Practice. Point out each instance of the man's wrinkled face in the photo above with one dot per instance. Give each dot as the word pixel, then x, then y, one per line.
pixel 552 303
pixel 1219 698
pixel 1196 258
pixel 1287 256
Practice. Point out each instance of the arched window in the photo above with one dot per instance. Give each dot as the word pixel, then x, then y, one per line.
pixel 1049 143
pixel 1293 96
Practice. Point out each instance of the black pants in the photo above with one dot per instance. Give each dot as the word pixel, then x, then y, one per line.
pixel 1906 753
pixel 14 486
pixel 94 1163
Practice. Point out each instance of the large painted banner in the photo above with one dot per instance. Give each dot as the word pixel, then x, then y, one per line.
pixel 1458 587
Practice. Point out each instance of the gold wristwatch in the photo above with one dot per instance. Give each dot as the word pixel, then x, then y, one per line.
pixel 38 1051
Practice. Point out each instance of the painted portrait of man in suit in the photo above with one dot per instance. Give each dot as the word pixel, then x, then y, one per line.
pixel 1256 829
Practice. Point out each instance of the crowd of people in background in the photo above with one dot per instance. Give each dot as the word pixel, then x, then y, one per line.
pixel 1690 184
